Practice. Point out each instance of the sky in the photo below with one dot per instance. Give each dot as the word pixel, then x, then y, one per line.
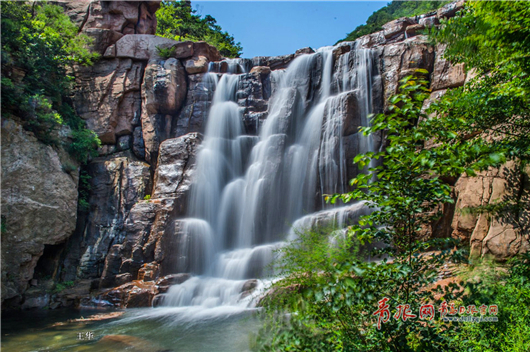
pixel 271 28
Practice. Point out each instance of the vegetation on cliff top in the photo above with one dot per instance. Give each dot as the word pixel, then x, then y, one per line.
pixel 473 128
pixel 38 42
pixel 394 10
pixel 177 20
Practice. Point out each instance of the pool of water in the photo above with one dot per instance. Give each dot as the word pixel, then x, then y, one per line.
pixel 141 329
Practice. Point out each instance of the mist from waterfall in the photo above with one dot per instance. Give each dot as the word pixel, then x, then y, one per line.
pixel 249 190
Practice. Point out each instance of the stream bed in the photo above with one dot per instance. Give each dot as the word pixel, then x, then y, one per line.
pixel 140 329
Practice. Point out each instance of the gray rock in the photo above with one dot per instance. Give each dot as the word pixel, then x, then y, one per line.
pixel 117 184
pixel 39 204
pixel 194 113
pixel 163 92
pixel 176 163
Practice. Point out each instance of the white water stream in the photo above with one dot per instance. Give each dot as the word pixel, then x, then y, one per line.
pixel 248 190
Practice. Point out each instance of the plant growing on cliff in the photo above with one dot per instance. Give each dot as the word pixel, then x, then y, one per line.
pixel 177 20
pixel 38 42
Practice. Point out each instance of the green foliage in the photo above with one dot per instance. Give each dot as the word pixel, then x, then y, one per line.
pixel 3 224
pixel 493 110
pixel 177 20
pixel 166 53
pixel 408 187
pixel 147 197
pixel 512 295
pixel 490 116
pixel 84 191
pixel 38 42
pixel 61 286
pixel 394 10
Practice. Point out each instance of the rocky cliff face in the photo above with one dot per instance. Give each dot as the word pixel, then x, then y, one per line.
pixel 39 206
pixel 149 112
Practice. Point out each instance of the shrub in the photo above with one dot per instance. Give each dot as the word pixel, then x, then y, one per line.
pixel 166 53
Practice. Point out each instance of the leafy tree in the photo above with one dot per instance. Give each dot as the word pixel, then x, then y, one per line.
pixel 394 10
pixel 38 42
pixel 177 20
pixel 492 39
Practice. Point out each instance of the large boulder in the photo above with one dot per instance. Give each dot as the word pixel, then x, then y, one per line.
pixel 402 59
pixel 501 236
pixel 394 28
pixel 142 46
pixel 175 166
pixel 39 204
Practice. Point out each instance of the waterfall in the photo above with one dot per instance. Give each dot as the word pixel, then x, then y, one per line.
pixel 249 190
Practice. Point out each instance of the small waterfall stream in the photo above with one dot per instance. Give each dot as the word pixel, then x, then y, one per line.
pixel 249 190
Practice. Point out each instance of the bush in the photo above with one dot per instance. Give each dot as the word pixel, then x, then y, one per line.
pixel 166 53
pixel 38 42
pixel 177 20
pixel 61 286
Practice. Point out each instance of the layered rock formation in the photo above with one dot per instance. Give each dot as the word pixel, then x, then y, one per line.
pixel 149 112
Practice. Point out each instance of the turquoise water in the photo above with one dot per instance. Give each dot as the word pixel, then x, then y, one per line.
pixel 142 329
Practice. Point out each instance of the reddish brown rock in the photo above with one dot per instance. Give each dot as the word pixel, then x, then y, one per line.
pixel 148 272
pixel 108 21
pixel 193 115
pixel 414 29
pixel 498 237
pixel 450 9
pixel 396 27
pixel 196 65
pixel 206 50
pixel 175 166
pixel 107 96
pixel 404 57
pixel 445 75
pixel 264 70
pixel 134 294
pixel 302 51
pixel 142 46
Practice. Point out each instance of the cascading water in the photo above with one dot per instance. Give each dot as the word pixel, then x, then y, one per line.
pixel 248 190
